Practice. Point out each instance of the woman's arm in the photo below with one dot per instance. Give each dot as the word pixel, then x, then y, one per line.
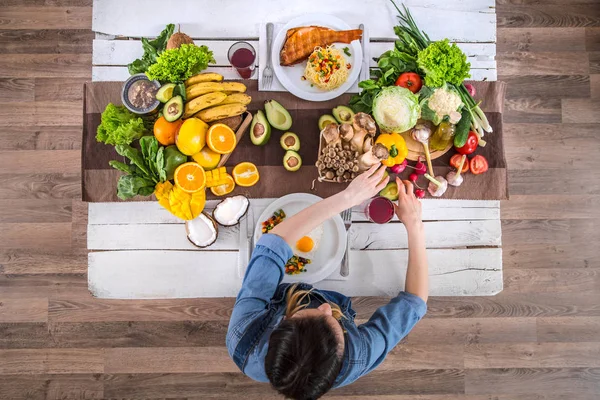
pixel 360 189
pixel 408 211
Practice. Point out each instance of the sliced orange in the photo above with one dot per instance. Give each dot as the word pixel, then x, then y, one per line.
pixel 245 174
pixel 221 139
pixel 225 188
pixel 190 177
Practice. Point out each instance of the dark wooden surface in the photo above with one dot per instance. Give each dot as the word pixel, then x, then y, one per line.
pixel 537 340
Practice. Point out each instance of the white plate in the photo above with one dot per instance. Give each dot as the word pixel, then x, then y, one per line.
pixel 328 256
pixel 290 77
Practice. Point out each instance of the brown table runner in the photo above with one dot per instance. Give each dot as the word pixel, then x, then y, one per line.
pixel 99 180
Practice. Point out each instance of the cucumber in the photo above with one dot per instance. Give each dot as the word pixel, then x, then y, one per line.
pixel 462 128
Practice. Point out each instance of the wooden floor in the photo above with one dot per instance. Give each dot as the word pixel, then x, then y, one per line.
pixel 538 339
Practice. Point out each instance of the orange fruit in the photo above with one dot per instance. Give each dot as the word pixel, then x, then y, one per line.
pixel 191 137
pixel 165 131
pixel 225 188
pixel 207 158
pixel 245 174
pixel 221 139
pixel 190 177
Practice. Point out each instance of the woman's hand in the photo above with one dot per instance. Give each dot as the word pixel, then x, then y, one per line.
pixel 366 185
pixel 408 209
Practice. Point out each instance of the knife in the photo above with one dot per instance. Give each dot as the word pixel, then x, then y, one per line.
pixel 364 73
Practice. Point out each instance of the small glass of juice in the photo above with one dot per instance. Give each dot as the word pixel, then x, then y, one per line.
pixel 242 56
pixel 379 210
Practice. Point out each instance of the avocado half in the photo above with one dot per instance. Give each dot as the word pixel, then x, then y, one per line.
pixel 173 110
pixel 165 93
pixel 292 161
pixel 290 141
pixel 343 114
pixel 326 120
pixel 390 191
pixel 277 115
pixel 260 130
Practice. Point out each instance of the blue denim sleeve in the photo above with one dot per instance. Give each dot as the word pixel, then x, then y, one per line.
pixel 263 275
pixel 388 325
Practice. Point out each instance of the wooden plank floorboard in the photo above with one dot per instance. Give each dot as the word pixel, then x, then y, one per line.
pixel 537 340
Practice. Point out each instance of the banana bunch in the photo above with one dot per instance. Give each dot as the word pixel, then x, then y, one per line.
pixel 210 99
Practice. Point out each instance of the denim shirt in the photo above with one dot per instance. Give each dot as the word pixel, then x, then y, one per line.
pixel 260 307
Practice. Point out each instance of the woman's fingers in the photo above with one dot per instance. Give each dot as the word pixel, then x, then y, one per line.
pixel 401 188
pixel 382 184
pixel 410 189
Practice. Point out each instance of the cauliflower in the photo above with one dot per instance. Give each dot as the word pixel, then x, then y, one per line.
pixel 439 103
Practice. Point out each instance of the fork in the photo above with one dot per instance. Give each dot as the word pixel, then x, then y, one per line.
pixel 347 218
pixel 267 77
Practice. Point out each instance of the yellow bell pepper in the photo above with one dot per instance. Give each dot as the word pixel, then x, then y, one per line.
pixel 186 206
pixel 396 145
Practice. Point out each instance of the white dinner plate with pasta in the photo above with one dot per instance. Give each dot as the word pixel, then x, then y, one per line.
pixel 318 80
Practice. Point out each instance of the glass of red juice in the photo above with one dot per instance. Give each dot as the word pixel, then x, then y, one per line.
pixel 242 56
pixel 380 210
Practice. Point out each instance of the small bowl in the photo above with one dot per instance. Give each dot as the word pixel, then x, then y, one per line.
pixel 125 94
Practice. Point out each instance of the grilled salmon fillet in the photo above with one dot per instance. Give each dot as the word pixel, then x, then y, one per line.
pixel 301 42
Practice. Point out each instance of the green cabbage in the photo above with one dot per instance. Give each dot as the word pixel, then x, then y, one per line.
pixel 176 65
pixel 442 62
pixel 119 126
pixel 396 109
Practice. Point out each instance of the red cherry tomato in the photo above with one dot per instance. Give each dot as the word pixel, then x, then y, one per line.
pixel 410 80
pixel 478 165
pixel 470 146
pixel 455 162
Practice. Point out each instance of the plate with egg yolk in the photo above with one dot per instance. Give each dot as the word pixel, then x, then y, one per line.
pixel 324 245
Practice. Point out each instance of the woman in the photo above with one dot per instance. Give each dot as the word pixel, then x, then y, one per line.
pixel 304 341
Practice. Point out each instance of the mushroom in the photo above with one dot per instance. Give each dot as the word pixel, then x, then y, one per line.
pixel 364 121
pixel 374 156
pixel 331 134
pixel 329 174
pixel 364 126
pixel 346 132
pixel 368 143
pixel 437 186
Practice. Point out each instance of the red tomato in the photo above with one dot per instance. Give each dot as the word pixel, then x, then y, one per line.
pixel 410 80
pixel 455 162
pixel 479 165
pixel 470 146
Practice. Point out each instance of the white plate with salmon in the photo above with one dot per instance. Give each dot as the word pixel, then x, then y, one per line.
pixel 317 57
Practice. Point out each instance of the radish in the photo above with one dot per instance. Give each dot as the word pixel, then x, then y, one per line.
pixel 398 168
pixel 419 167
pixel 420 193
pixel 413 177
pixel 471 89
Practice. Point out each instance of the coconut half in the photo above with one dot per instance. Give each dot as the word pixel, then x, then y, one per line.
pixel 202 231
pixel 229 211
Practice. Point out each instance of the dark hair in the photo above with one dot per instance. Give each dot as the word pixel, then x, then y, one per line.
pixel 303 361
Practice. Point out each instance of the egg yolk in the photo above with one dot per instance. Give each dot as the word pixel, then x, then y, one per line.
pixel 305 244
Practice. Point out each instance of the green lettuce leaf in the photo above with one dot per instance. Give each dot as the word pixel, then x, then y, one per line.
pixel 119 126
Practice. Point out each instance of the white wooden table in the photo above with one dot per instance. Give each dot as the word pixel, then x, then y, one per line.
pixel 139 250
